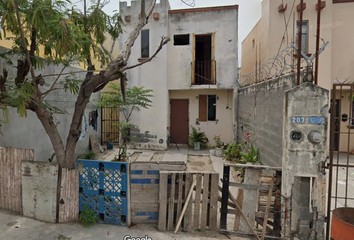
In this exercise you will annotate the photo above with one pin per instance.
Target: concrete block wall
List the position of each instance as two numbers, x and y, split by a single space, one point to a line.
303 180
300 215
260 113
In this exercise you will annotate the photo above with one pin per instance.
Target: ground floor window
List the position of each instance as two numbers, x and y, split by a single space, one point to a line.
207 108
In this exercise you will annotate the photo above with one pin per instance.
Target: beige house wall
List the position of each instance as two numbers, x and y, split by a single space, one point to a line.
224 113
255 45
271 35
335 62
343 39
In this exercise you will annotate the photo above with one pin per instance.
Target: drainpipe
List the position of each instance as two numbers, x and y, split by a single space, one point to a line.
299 43
318 39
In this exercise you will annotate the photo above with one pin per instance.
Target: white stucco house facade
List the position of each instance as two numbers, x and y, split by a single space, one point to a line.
193 78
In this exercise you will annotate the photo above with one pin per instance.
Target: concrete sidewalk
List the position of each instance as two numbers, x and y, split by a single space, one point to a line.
15 227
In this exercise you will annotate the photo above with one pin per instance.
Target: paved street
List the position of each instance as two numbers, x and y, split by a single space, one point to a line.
14 227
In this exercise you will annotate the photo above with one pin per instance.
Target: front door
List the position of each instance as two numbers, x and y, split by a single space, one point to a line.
179 121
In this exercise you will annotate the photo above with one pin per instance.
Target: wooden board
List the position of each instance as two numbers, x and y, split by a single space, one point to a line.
95 144
249 205
69 196
163 202
200 211
144 188
197 201
213 202
205 202
10 177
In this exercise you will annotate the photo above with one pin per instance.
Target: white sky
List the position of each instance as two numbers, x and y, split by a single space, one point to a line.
249 12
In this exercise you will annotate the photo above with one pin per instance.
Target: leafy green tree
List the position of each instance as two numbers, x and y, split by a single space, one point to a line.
53 32
136 98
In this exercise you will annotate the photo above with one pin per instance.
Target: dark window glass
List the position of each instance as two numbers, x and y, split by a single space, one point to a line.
145 42
211 107
179 40
304 36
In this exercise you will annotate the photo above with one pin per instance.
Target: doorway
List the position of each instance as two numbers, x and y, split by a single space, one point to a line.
203 60
179 121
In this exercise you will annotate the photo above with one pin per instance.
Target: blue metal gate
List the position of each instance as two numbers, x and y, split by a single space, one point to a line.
103 188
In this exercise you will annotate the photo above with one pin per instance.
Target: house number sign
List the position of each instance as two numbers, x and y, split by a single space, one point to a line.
309 120
298 120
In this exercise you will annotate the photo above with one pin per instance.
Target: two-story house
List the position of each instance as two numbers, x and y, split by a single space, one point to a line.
193 78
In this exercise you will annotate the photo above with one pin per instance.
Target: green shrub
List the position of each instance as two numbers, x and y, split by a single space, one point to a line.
87 216
89 156
232 151
252 156
196 136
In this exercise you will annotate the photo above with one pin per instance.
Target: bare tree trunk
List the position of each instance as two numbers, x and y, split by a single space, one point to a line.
53 134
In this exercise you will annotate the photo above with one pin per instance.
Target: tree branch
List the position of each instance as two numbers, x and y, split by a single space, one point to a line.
69 73
3 80
24 45
114 67
135 33
164 41
52 87
108 53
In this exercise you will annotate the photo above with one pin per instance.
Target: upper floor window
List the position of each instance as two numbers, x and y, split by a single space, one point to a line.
145 43
180 40
304 36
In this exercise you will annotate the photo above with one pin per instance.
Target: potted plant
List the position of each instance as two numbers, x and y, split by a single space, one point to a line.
212 151
219 151
197 140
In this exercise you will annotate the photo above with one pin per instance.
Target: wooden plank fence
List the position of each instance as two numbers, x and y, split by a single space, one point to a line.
10 177
257 208
200 212
144 188
69 196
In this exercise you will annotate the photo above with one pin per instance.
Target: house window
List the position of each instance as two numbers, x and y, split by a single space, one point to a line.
304 36
207 108
145 43
180 40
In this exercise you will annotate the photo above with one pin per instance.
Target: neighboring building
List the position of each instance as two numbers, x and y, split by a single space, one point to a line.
278 27
193 77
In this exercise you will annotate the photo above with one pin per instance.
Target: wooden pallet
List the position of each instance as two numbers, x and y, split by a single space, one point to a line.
144 188
201 210
267 206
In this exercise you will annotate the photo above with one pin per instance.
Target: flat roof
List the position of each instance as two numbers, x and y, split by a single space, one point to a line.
204 9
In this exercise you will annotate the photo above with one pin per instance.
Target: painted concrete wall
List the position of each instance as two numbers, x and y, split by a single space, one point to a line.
302 157
39 190
332 29
255 45
224 24
171 69
152 75
260 113
342 38
29 132
224 113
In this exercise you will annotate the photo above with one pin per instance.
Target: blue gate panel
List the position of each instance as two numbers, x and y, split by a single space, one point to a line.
103 187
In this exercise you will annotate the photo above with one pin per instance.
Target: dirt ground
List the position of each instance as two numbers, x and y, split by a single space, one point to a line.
199 163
